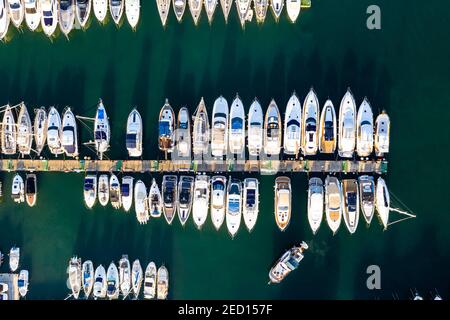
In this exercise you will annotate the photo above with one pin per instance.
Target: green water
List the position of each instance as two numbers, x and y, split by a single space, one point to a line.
403 68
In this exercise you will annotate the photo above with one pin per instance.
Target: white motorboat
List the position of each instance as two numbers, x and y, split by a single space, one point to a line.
126 189
260 7
328 129
125 276
310 129
66 16
150 281
277 7
115 192
9 133
74 271
137 276
236 139
87 281
200 204
83 12
234 206
31 189
103 189
200 131
54 132
243 6
333 203
134 134
169 196
293 8
100 284
24 131
255 129
347 126
383 202
112 282
14 259
382 134
367 197
102 131
133 11
155 200
140 202
22 282
69 134
16 12
283 205
163 283
100 8
163 9
364 130
226 7
315 203
32 14
250 202
4 19
351 204
179 6
210 8
90 190
116 10
292 126
288 262
272 130
195 6
185 196
219 134
218 200
40 129
49 16
183 134
166 128
18 189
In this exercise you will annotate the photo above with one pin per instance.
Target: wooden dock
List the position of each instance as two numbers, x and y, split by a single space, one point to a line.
208 166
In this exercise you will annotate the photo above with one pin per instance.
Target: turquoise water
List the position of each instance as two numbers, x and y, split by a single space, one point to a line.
403 68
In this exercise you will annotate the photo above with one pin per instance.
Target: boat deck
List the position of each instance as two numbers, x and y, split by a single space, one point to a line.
11 280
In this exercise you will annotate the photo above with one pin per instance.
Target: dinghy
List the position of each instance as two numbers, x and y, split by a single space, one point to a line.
183 134
234 206
150 281
293 8
74 271
195 6
87 271
100 9
364 130
32 14
115 194
236 139
31 189
112 282
54 132
272 130
218 200
66 16
163 9
132 11
16 12
292 126
136 278
219 132
185 196
140 202
134 134
347 126
200 131
169 196
69 134
102 133
333 203
103 189
100 284
83 11
125 276
200 205
250 202
49 16
310 119
255 129
328 129
9 133
40 129
116 9
155 200
24 131
179 6
90 190
126 189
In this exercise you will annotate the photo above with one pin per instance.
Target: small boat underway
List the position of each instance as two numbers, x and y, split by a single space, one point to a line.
100 9
134 134
103 189
166 128
140 202
16 12
22 283
243 6
210 7
14 259
382 132
195 6
4 19
282 202
137 276
75 276
115 194
218 200
66 16
383 202
367 197
116 9
102 133
219 134
32 14
236 138
200 131
87 271
260 7
169 194
69 134
163 9
185 195
31 189
155 200
293 8
328 129
54 132
277 8
200 205
100 284
163 283
126 189
150 281
234 206
24 131
315 203
351 204
333 203
288 262
18 189
90 190
310 119
250 202
272 128
40 129
125 276
255 129
83 11
132 11
183 134
347 126
9 133
49 16
179 6
292 126
112 281
364 130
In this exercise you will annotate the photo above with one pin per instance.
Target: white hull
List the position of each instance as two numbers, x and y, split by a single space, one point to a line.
112 280
115 193
200 205
195 7
18 189
166 128
83 12
54 132
103 190
163 9
140 202
185 195
333 203
183 134
382 134
292 126
32 14
66 16
242 7
293 8
75 276
134 134
219 134
100 282
24 131
328 129
49 16
260 7
383 202
272 130
179 6
255 129
351 205
16 12
69 134
102 132
14 259
347 126
163 283
9 133
155 200
23 283
4 19
90 190
234 206
236 131
124 276
127 192
87 271
201 130
250 203
315 204
283 199
133 11
277 7
210 8
169 196
310 127
364 138
100 8
367 197
116 10
137 276
150 281
218 200
40 129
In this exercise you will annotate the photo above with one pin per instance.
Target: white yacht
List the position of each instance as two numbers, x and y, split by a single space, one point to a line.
74 271
18 189
116 9
14 259
166 128
32 14
292 126
49 16
155 200
24 131
31 189
40 129
9 133
141 202
126 189
87 280
83 12
90 190
200 204
255 129
137 276
115 194
163 283
219 134
272 130
351 204
260 7
112 282
277 8
243 6
195 6
347 126
210 8
150 281
66 16
179 6
163 9
134 134
293 8
315 203
125 276
103 189
4 19
100 8
169 196
226 7
234 206
218 200
288 262
100 284
54 132
185 196
383 202
22 282
250 202
183 134
310 129
16 12
328 129
382 133
364 130
102 133
367 197
236 139
133 11
200 131
69 134
283 196
333 203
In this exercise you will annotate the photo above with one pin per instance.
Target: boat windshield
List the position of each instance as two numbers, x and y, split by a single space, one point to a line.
293 122
30 186
185 193
168 194
89 184
164 128
183 125
101 114
292 263
351 200
218 185
125 188
329 131
131 140
21 283
100 135
311 124
236 123
233 206
251 197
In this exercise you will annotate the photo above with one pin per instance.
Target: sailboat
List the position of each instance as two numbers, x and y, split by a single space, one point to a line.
333 203
83 11
292 126
255 129
126 189
155 200
293 8
351 204
100 9
218 200
32 14
272 128
347 126
103 189
69 134
137 276
210 8
140 202
277 7
234 206
219 134
18 189
132 12
236 139
124 276
24 131
163 283
66 16
260 7
195 6
185 196
116 9
102 133
283 202
310 119
40 129
367 197
226 7
4 19
49 16
9 133
183 134
166 128
315 203
134 134
54 132
16 12
150 281
169 195
200 205
382 133
163 9
100 284
243 6
112 281
179 6
200 131
328 129
383 202
364 130
90 190
115 194
87 281
74 271
250 202
31 189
